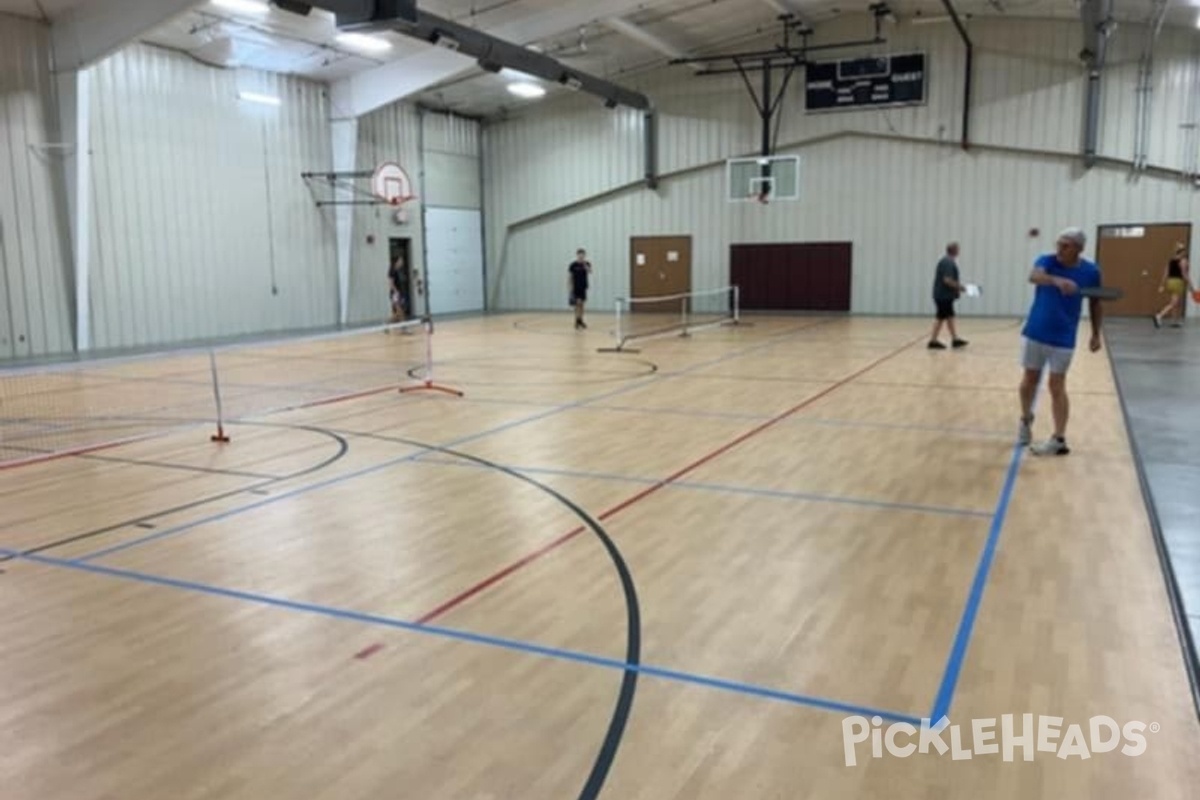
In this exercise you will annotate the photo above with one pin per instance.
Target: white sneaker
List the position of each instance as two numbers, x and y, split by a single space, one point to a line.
1025 432
1051 447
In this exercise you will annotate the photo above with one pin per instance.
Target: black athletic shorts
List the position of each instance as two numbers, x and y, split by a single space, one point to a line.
945 308
578 295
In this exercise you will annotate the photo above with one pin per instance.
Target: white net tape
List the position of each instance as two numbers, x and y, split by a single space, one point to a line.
644 318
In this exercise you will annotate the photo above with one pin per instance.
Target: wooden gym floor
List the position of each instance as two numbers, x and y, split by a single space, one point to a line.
671 574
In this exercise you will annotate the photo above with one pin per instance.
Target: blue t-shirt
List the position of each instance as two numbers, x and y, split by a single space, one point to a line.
1054 318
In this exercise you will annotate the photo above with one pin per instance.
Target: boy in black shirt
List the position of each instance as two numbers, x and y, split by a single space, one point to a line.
577 280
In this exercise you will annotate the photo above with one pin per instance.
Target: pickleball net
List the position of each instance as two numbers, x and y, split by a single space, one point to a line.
641 319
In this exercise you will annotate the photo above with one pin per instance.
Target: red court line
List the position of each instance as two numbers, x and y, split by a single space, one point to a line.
365 653
77 451
649 490
93 448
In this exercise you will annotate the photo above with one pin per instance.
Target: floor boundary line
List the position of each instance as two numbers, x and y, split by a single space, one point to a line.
735 687
750 491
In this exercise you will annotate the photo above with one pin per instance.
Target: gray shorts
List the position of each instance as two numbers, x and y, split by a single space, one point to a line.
1035 356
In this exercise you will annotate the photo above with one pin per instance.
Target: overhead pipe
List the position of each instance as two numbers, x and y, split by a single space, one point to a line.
650 156
967 77
1145 90
1097 25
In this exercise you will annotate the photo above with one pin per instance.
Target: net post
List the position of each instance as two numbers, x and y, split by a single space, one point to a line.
737 320
220 436
683 317
428 384
619 347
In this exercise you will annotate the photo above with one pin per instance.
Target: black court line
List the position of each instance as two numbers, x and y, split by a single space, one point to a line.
137 462
343 448
523 326
633 644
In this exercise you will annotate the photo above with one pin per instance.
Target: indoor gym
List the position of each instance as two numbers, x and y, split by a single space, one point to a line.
257 540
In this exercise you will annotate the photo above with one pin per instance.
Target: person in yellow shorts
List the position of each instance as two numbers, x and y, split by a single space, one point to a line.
1176 281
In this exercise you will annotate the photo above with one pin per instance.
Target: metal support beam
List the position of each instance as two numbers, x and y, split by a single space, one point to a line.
91 31
463 49
344 139
968 74
642 36
74 98
494 54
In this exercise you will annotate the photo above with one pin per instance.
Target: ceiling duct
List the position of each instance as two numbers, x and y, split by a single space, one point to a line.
356 12
403 17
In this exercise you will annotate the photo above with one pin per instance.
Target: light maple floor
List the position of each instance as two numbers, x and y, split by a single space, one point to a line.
670 574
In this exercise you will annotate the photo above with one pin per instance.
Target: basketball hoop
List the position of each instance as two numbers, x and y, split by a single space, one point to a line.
390 184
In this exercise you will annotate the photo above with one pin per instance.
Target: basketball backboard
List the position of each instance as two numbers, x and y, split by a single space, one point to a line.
763 178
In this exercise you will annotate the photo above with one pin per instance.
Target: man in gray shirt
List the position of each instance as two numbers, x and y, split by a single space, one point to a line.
946 289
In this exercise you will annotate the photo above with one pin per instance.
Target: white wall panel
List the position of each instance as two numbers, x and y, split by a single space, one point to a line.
202 225
450 133
454 252
895 182
35 278
452 181
453 175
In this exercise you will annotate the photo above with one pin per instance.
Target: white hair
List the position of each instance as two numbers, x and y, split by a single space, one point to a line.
1075 235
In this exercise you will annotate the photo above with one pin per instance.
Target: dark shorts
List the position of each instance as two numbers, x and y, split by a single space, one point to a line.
945 308
578 295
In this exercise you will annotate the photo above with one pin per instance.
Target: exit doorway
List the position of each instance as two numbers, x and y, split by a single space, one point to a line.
1133 258
400 252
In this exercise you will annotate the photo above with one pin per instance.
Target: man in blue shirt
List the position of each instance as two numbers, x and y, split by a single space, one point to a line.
1050 331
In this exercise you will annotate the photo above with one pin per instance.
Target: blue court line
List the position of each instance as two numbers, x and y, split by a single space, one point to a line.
639 384
958 650
431 458
476 638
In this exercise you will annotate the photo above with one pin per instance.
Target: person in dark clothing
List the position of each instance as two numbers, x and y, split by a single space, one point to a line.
946 290
577 282
1176 280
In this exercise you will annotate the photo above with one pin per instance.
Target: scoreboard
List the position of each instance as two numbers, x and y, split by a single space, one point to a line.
856 83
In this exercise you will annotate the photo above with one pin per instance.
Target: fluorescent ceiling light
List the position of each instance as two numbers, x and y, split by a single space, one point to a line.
364 42
243 6
515 75
255 97
526 90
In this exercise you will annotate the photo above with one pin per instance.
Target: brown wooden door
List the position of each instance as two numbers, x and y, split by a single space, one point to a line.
659 265
1132 258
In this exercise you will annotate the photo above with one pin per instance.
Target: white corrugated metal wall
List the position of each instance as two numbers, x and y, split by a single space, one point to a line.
35 271
894 182
202 225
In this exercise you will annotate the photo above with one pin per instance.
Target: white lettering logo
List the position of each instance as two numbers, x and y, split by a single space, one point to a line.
1005 737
